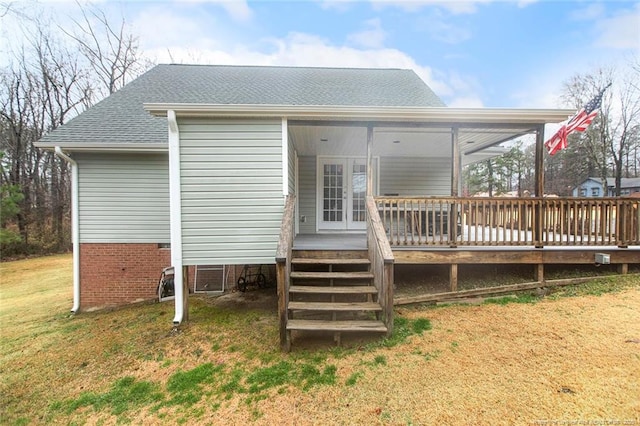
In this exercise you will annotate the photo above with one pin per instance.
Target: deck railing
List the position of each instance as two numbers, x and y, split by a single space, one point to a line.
381 258
283 267
459 221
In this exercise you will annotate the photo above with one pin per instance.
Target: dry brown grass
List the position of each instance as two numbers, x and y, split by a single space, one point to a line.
570 359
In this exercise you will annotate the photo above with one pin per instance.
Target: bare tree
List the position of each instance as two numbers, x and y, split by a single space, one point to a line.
50 80
38 93
112 51
609 139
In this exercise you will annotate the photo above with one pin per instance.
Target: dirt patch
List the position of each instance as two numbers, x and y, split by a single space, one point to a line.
259 299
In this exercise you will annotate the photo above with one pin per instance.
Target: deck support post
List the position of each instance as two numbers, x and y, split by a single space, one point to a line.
456 162
623 268
539 188
283 269
282 277
453 276
369 160
539 273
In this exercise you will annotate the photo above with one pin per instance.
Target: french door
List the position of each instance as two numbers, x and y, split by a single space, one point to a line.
342 186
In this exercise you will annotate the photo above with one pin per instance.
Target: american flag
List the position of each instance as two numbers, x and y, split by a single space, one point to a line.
577 123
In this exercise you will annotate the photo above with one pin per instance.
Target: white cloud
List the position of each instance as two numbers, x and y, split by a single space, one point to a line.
445 32
588 13
541 91
338 5
466 102
456 7
372 36
161 26
620 31
239 10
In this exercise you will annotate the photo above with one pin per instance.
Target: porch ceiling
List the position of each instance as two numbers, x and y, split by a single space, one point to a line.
476 143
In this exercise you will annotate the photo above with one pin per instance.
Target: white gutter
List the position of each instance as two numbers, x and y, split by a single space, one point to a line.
106 147
338 112
175 215
75 227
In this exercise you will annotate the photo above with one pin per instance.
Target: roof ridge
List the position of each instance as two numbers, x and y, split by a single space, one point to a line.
286 66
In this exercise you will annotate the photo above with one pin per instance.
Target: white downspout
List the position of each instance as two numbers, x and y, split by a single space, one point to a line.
75 227
175 215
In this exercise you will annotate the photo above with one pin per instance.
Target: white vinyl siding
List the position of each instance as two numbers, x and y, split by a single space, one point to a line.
408 176
307 194
231 184
123 198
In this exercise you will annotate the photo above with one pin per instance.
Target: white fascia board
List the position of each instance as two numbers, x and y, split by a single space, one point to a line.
420 114
106 147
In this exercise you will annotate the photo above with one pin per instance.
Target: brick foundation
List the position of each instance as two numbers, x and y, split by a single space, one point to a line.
114 274
118 274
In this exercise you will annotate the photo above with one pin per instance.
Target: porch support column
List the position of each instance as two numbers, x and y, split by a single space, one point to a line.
175 218
455 185
369 160
456 162
539 189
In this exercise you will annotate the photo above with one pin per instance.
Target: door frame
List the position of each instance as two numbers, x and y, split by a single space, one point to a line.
320 187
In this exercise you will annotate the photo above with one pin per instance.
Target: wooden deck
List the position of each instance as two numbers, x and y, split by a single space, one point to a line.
422 231
330 241
423 254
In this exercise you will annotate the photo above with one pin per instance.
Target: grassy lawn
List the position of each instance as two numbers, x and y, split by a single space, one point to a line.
571 356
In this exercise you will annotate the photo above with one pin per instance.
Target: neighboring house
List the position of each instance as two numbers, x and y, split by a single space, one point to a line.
592 187
200 159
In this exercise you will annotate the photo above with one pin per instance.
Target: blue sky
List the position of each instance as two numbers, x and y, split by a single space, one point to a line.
473 54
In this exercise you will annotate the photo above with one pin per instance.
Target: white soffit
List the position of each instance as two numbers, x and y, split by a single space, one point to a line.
394 142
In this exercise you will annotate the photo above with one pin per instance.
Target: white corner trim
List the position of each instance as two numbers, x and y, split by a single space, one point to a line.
75 226
285 157
175 215
296 192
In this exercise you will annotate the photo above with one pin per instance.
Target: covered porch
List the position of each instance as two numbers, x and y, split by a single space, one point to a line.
378 206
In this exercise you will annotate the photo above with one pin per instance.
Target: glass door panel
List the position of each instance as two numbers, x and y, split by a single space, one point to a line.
333 204
357 193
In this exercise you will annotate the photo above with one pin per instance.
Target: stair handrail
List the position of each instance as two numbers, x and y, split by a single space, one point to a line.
382 260
283 266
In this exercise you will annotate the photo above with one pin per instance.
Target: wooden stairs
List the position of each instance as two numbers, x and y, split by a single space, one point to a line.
332 291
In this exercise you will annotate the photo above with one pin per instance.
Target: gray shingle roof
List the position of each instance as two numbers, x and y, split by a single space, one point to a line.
624 182
120 118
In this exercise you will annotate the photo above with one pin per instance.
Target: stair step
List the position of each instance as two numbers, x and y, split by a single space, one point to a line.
322 325
329 261
335 275
335 306
356 289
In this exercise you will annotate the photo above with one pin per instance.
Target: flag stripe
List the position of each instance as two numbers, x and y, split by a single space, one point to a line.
578 123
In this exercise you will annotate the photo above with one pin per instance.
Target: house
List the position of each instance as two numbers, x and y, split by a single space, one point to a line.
592 187
332 174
